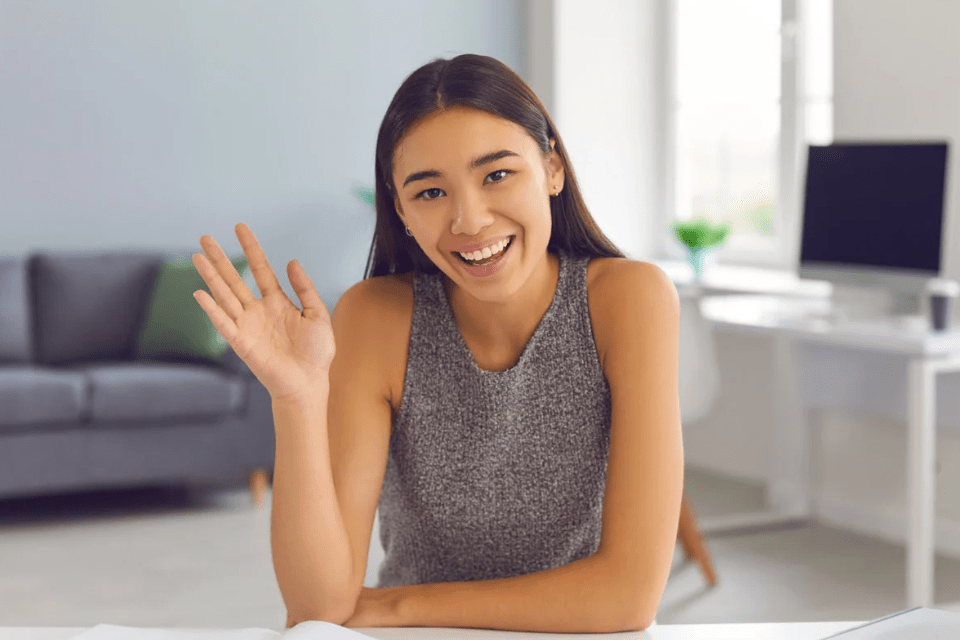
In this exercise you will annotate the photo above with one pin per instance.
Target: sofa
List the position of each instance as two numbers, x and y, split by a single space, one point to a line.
97 393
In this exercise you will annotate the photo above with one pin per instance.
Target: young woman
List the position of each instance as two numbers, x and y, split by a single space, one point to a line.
503 385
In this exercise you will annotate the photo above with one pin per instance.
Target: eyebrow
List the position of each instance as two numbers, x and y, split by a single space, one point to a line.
476 163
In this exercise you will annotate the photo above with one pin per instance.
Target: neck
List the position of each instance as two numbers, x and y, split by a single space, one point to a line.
508 323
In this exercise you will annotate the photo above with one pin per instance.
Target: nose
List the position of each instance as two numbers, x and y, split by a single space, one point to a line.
470 214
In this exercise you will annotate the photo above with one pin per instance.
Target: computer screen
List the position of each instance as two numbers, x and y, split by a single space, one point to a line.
875 206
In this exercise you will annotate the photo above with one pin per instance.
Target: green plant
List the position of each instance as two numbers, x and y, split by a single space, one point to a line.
701 233
366 194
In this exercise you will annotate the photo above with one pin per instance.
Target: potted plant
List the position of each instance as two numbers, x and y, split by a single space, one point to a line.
700 236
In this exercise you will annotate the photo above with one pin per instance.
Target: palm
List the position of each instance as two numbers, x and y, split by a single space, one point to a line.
274 336
286 348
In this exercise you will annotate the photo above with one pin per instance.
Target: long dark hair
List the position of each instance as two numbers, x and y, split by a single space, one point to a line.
486 84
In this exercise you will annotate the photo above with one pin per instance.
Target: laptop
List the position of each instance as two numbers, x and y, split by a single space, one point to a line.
918 623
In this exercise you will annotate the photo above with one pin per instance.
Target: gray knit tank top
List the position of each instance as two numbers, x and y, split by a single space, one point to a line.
494 474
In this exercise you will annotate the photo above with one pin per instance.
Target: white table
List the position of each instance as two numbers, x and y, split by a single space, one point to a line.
792 319
723 279
754 631
780 306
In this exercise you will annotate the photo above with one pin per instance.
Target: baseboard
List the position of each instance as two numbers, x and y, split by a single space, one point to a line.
889 525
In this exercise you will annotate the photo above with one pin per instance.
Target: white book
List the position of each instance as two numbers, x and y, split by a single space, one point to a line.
918 623
310 630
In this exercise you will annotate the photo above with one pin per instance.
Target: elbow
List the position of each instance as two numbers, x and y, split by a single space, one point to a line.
631 618
338 613
637 608
334 610
334 617
635 619
640 623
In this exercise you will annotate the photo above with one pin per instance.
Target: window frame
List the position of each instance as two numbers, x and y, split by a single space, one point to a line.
782 250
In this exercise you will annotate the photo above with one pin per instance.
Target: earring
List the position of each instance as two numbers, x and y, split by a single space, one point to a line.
408 231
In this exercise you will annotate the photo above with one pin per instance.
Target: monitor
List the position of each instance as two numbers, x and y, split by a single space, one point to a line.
873 217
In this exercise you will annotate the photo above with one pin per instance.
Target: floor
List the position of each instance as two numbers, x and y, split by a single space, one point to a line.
200 557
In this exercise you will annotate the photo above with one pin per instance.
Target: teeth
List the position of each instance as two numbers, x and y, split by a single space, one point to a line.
487 251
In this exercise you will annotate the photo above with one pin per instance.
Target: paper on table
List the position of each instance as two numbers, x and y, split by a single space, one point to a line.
313 630
310 630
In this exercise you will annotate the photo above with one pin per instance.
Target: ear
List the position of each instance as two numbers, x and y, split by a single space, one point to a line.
554 167
396 205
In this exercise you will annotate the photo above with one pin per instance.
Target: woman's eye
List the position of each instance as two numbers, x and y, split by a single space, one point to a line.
499 175
429 194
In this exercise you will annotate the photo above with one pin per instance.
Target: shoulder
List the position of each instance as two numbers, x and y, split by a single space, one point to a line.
626 296
607 276
374 318
376 299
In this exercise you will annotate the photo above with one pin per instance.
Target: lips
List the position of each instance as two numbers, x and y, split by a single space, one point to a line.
478 257
479 246
486 270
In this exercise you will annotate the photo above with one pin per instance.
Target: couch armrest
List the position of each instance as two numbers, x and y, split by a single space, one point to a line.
235 364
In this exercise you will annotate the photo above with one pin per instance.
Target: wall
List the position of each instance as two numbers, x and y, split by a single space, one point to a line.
596 66
150 123
895 67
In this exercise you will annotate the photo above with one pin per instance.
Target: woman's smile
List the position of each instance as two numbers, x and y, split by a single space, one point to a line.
487 266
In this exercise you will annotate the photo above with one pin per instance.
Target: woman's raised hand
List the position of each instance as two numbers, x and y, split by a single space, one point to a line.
289 350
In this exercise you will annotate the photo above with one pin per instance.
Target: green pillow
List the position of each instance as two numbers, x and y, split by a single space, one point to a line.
175 326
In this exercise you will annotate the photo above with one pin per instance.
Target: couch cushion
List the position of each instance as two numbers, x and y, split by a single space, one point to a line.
89 305
176 327
39 395
151 392
15 316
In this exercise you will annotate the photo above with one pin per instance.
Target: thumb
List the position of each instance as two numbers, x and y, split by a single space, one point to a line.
310 301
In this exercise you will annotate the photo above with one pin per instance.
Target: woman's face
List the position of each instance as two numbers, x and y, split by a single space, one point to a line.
465 178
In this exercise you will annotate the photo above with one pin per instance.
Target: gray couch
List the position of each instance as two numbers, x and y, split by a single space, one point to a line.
78 412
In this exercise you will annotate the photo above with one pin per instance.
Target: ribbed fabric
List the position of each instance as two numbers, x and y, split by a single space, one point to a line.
496 474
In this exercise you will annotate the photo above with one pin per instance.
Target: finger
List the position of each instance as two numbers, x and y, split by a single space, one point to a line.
222 294
226 272
307 293
265 277
221 321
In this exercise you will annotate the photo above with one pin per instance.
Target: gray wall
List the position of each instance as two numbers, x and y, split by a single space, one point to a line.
150 123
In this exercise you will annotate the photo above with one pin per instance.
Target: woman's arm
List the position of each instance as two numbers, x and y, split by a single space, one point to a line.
586 596
635 313
637 322
330 461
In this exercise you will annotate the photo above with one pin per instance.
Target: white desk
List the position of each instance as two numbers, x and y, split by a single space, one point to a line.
755 631
728 279
789 320
780 307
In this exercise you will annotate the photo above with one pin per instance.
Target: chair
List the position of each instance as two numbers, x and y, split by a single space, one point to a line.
699 387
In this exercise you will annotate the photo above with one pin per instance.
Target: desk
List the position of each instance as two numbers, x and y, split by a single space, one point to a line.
755 631
731 279
792 319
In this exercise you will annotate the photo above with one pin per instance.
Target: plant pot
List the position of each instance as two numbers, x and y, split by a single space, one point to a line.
696 256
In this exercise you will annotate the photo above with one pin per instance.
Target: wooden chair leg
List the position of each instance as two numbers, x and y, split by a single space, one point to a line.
692 543
259 485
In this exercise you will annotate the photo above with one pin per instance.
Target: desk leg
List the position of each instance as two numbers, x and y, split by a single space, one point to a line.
789 455
790 450
921 496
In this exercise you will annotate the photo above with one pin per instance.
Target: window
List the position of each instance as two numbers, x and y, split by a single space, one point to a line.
744 105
